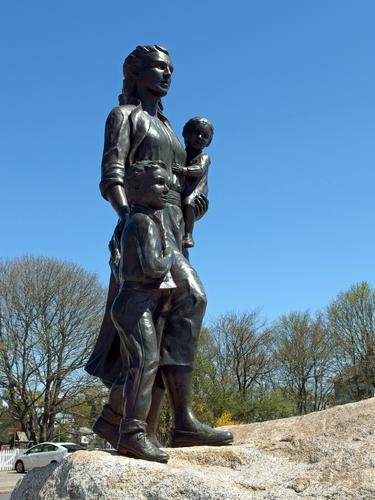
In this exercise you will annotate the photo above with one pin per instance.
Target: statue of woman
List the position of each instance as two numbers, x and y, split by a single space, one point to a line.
136 131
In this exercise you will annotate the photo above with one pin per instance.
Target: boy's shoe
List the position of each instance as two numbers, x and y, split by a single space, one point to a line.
134 442
154 440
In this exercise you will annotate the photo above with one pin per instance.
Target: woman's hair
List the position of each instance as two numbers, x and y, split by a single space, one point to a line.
132 64
191 124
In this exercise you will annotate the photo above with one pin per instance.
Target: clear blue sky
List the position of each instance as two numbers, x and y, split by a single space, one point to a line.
290 88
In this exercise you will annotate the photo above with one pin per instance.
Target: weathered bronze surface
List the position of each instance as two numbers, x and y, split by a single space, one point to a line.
156 301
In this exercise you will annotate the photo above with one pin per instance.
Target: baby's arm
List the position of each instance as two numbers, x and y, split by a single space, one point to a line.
153 263
197 169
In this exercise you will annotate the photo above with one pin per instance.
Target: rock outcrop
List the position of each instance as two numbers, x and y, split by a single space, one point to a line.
328 454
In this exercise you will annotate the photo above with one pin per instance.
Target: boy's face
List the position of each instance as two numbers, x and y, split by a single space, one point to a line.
153 189
200 136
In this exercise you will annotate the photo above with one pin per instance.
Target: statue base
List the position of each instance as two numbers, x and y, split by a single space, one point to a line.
327 454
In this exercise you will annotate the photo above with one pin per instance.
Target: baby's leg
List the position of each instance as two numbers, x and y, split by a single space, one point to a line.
189 216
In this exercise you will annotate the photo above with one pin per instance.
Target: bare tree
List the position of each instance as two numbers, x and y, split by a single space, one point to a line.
243 349
50 312
304 357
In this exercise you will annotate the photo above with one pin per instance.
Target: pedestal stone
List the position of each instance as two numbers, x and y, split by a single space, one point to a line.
328 454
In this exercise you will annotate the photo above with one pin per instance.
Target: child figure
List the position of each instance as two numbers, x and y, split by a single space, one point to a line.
197 133
145 285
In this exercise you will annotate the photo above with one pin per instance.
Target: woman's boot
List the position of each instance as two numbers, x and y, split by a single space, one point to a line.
187 430
158 391
108 423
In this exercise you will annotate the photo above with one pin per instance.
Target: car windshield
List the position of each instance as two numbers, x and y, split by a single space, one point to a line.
72 447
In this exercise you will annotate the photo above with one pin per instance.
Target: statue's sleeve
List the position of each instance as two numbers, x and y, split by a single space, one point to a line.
153 264
116 149
198 168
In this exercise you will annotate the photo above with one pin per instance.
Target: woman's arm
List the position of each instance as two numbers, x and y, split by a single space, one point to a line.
117 198
116 150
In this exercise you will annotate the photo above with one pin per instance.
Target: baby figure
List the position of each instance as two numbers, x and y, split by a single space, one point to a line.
197 133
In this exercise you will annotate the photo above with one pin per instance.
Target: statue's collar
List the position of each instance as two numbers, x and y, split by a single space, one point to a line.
136 209
135 101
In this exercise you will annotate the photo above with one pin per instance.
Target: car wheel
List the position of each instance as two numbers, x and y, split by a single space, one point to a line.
54 462
20 467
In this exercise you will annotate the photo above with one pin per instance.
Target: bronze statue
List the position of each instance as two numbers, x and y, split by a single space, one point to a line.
137 134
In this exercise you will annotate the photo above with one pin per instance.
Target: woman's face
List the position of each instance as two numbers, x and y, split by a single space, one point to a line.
155 74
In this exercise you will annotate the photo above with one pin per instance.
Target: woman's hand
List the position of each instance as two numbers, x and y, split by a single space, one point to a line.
177 169
201 205
115 245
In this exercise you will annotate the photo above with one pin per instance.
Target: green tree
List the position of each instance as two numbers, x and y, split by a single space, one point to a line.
352 325
7 423
209 395
304 357
243 350
233 369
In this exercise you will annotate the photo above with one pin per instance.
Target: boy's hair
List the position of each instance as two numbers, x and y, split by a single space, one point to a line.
135 172
189 127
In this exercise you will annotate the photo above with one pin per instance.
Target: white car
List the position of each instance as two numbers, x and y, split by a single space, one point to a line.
43 454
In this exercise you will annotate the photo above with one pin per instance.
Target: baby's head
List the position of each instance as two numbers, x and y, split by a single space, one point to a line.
146 183
198 132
